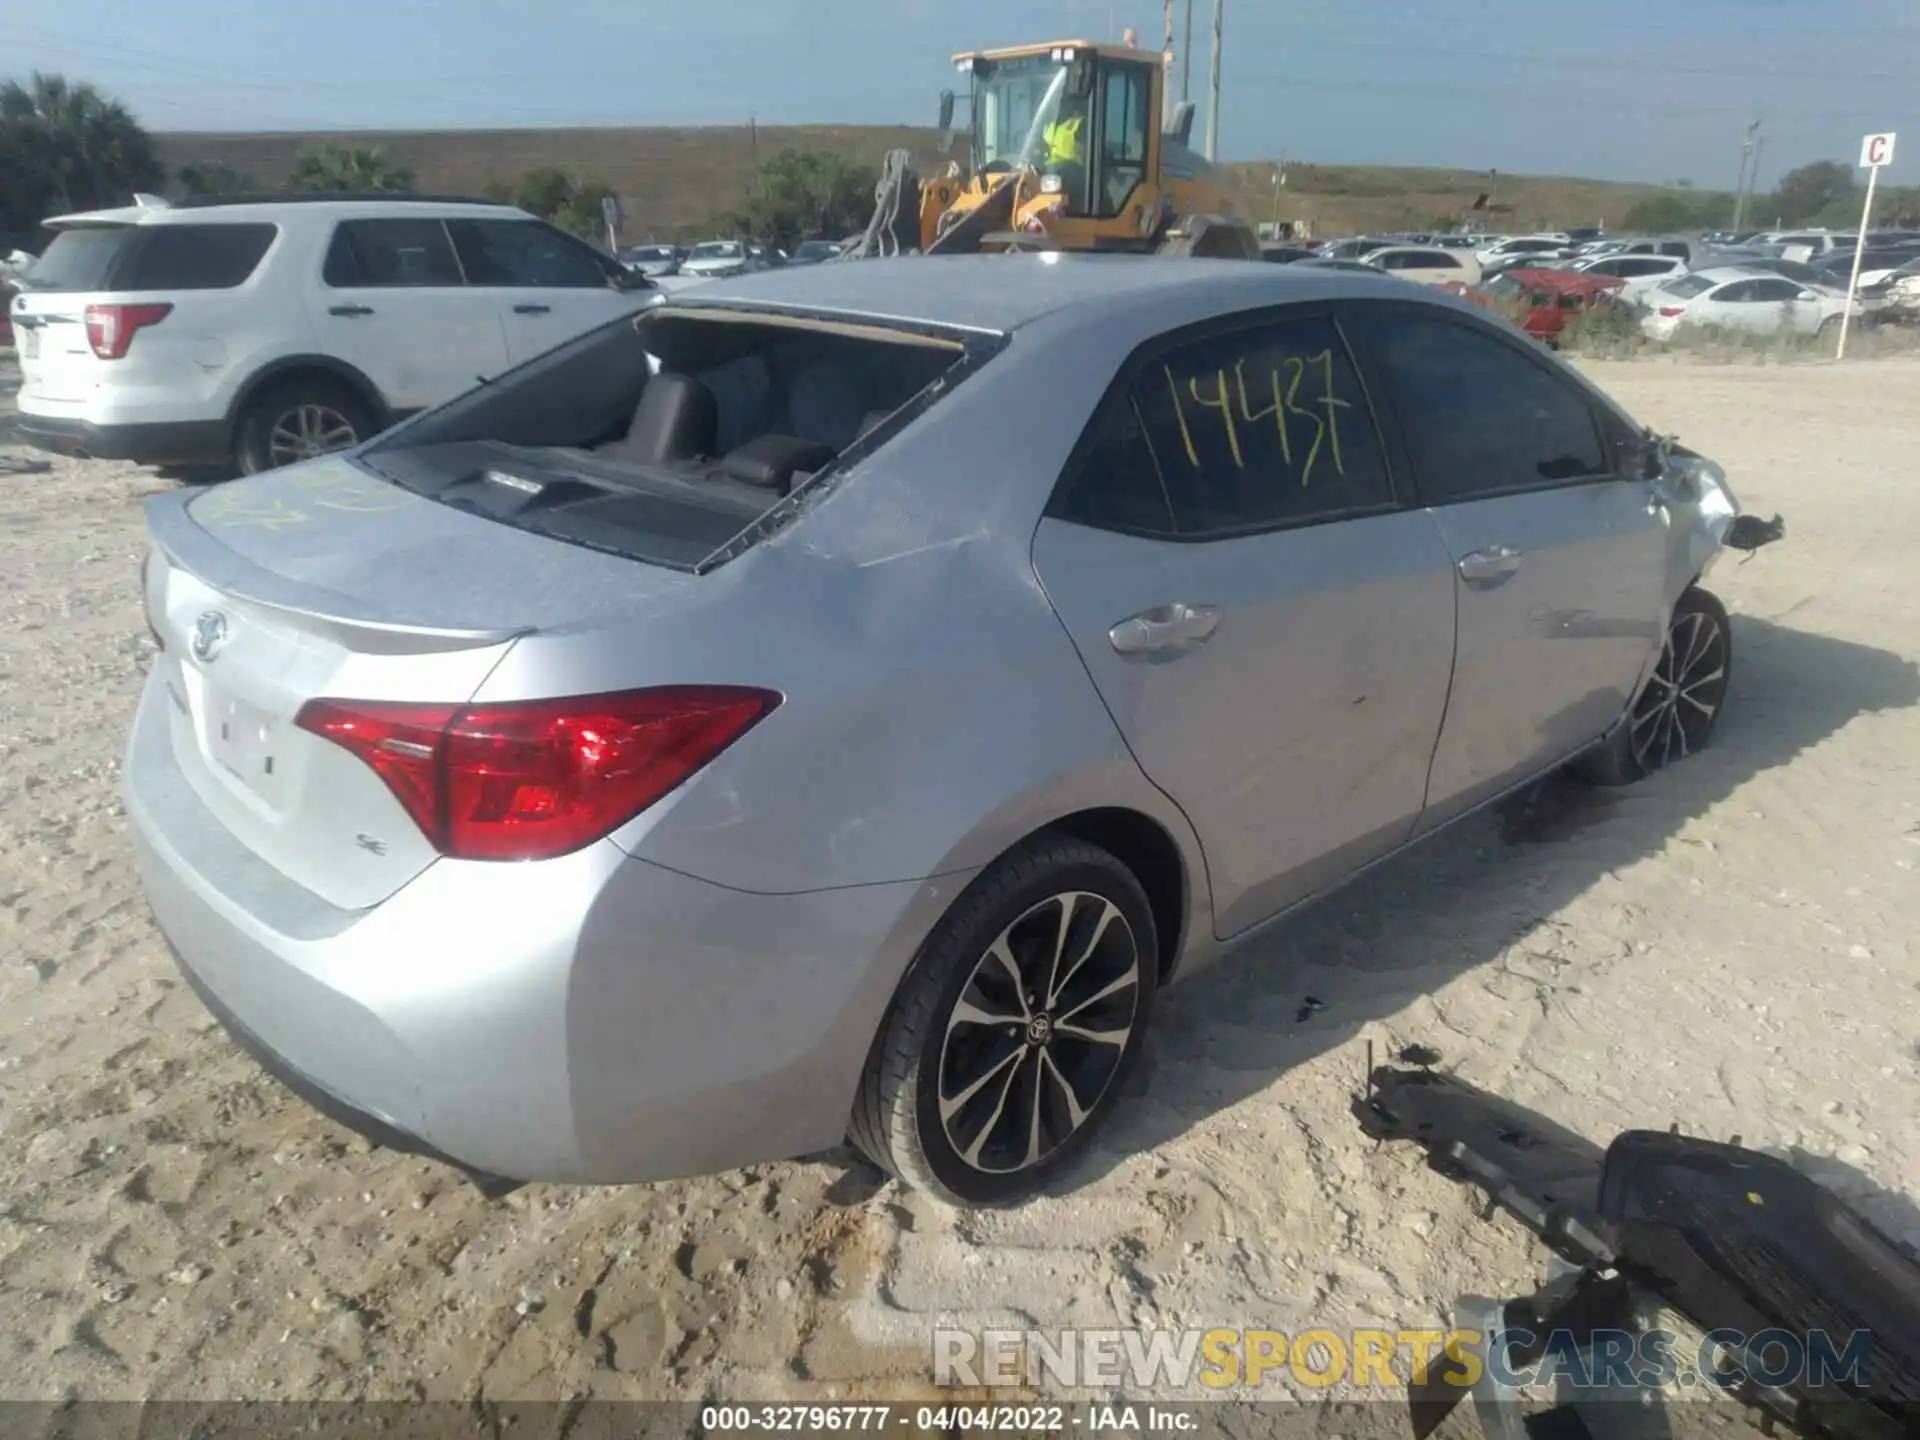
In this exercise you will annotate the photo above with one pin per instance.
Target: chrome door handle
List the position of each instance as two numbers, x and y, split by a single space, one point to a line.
1489 566
350 311
532 309
1164 629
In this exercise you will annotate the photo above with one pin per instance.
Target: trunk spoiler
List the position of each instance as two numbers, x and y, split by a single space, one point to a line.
189 547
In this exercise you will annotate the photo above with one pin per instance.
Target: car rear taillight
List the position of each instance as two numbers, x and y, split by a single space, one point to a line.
1672 310
542 778
111 328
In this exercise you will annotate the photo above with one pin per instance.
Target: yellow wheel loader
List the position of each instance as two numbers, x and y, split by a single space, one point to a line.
1073 147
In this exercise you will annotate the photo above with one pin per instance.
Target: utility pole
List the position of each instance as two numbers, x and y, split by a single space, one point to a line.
1213 89
1186 59
1747 147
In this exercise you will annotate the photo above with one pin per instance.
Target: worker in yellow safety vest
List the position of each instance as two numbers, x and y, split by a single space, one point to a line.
1066 158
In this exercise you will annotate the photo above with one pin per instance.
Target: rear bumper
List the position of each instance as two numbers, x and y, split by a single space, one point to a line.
183 442
592 1019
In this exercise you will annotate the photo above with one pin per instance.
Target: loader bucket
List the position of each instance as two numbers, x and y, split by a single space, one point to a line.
1211 237
989 216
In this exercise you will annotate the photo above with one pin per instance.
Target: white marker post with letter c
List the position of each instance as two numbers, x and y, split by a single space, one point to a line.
1876 153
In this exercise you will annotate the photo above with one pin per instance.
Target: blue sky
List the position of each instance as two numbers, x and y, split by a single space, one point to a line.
1629 89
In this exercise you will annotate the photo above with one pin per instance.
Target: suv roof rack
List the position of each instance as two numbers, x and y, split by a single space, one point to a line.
302 197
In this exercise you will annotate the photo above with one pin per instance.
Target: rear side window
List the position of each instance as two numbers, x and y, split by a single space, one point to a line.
391 253
1479 416
195 257
1253 429
1687 286
78 259
525 254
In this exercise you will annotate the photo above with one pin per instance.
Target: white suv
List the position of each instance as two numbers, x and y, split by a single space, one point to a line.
251 334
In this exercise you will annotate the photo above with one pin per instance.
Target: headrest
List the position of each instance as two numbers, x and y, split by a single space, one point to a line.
676 419
772 461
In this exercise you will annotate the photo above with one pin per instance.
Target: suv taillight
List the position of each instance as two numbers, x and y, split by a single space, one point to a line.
542 778
111 328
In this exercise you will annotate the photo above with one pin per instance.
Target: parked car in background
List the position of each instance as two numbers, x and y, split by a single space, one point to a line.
574 874
1354 247
1808 245
1684 250
1544 302
716 259
1324 262
1425 264
817 252
1798 271
250 335
1637 273
1743 301
1585 234
1875 264
1520 247
654 261
1557 258
1898 293
1279 252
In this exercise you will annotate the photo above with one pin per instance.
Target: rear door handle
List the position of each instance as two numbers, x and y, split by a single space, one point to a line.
350 311
1490 566
532 309
1165 630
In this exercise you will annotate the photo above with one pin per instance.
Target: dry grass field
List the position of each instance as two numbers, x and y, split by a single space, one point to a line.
671 181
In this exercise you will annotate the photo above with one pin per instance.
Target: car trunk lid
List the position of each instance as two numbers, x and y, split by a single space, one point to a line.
325 582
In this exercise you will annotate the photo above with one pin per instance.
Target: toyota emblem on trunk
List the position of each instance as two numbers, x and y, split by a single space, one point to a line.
209 634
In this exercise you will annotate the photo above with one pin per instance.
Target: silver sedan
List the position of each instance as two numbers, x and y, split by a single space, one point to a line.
836 701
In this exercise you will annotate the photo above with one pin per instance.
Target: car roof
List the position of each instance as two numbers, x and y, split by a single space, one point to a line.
1721 274
1565 281
235 208
1001 293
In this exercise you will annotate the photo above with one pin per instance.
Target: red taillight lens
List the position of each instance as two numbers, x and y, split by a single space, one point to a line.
111 328
534 780
1669 311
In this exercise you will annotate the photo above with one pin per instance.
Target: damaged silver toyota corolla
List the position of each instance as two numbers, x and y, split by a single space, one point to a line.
836 701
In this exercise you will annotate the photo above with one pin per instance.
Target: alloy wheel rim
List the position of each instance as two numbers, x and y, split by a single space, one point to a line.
1676 711
1037 1033
307 432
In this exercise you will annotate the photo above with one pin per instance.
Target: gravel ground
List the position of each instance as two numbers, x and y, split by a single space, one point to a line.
1730 946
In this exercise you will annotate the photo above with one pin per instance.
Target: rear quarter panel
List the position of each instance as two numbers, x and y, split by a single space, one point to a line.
935 710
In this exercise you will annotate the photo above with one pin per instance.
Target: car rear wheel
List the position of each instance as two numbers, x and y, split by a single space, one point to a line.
1013 1034
299 421
1676 713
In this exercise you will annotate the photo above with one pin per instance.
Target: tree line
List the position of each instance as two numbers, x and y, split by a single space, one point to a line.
66 146
1823 193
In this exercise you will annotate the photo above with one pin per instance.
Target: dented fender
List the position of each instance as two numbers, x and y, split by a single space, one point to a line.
1701 509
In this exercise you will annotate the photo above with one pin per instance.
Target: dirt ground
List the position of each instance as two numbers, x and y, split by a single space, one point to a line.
1730 946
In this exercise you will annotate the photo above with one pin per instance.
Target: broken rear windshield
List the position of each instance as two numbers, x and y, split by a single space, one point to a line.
675 436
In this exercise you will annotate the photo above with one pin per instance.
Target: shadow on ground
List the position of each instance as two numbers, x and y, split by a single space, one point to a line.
1311 983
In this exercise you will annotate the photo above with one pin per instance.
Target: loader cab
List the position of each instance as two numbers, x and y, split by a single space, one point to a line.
1084 118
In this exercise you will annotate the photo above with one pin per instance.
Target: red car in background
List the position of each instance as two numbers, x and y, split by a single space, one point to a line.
1543 302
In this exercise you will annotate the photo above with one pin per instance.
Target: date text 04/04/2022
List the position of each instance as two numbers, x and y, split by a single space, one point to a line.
945 1419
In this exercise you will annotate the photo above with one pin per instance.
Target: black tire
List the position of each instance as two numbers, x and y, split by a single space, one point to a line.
322 411
897 1117
1674 715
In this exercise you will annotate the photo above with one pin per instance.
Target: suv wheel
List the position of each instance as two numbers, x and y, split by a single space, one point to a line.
299 421
1014 1033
